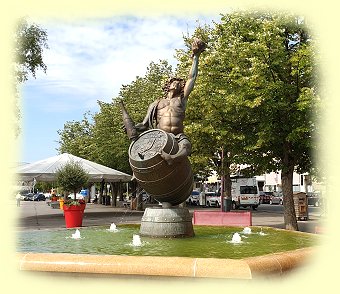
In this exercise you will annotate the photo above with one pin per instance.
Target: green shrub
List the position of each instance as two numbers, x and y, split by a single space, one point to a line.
72 177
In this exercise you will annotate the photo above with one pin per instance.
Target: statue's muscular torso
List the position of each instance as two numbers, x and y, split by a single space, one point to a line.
170 115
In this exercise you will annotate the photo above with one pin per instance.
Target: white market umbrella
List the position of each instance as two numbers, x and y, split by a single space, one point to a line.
45 170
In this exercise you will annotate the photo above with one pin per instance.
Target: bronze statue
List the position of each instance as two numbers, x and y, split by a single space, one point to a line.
169 111
159 156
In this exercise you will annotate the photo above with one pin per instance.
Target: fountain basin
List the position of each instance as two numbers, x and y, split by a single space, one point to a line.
249 268
210 254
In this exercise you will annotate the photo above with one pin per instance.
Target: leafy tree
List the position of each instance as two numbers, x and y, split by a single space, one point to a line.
110 141
72 177
256 97
76 137
141 92
44 186
29 42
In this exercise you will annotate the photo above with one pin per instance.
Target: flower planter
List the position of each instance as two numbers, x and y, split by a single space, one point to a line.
74 215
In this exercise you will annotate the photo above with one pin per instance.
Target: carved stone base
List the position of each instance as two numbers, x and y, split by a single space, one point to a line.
167 222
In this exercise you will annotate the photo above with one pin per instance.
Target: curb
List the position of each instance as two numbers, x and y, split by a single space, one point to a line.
278 263
249 268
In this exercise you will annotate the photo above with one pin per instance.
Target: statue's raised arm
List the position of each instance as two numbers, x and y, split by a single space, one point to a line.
197 47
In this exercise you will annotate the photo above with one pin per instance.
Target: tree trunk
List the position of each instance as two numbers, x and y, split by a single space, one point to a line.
226 178
101 190
227 181
288 201
89 192
120 191
105 200
114 191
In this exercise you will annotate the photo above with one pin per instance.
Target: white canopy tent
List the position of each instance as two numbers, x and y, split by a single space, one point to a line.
45 170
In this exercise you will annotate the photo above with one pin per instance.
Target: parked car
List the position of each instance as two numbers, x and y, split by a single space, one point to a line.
265 197
212 199
314 199
28 197
277 198
39 197
23 195
194 198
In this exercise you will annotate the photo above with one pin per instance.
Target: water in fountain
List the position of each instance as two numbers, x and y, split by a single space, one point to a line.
209 242
76 235
136 241
262 233
113 228
246 230
236 238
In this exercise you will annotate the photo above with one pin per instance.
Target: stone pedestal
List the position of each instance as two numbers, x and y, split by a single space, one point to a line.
167 222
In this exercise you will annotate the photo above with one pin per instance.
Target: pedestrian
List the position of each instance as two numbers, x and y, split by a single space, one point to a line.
18 198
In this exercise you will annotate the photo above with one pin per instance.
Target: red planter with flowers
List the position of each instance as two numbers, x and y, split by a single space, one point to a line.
74 214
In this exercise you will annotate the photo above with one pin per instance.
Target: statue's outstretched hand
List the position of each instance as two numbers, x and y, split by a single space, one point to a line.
198 46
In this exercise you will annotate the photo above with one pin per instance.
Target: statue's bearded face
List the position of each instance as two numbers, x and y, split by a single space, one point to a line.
175 86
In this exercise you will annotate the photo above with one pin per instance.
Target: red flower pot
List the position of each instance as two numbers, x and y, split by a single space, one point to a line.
74 215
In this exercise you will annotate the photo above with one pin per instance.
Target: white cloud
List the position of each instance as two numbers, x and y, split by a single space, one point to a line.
91 60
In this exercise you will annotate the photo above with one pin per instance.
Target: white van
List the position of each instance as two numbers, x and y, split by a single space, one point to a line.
245 193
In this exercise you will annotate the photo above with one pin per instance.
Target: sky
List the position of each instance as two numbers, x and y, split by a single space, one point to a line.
87 61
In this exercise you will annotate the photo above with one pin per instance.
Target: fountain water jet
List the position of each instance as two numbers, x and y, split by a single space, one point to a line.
246 230
76 235
236 238
113 228
262 233
136 241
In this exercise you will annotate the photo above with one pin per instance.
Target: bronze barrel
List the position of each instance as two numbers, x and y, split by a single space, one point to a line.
166 183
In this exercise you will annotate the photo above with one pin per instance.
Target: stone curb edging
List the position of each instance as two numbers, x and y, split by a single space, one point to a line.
247 268
278 263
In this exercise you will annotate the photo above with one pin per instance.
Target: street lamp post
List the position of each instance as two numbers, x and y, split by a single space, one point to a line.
222 179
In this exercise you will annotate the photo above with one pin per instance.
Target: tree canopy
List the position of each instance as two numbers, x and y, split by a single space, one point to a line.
72 177
256 88
29 43
256 97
